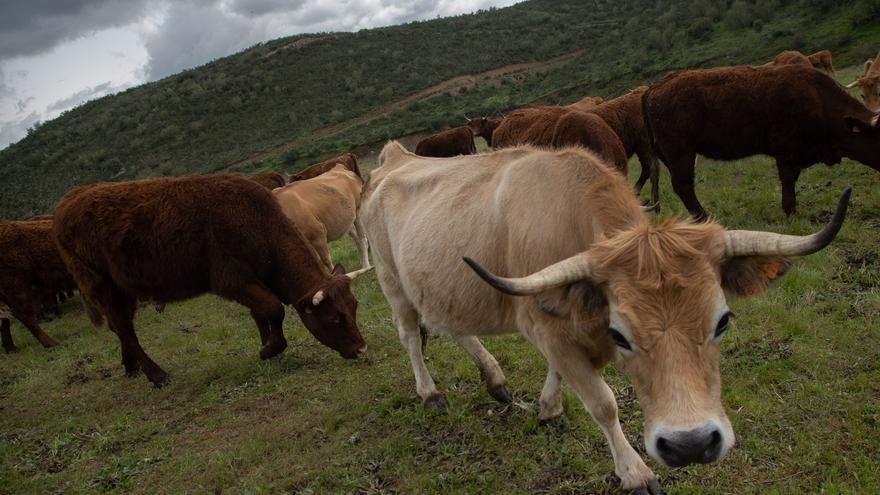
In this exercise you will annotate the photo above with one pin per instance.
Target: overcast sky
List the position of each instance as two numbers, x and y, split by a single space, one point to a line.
57 54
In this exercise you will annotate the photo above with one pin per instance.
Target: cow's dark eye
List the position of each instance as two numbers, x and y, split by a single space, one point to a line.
723 323
619 339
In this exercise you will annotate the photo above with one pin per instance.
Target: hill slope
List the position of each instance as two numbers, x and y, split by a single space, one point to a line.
304 97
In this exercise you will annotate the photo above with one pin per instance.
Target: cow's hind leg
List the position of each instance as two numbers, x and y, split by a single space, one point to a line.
551 396
572 363
6 335
30 322
681 169
407 321
496 383
119 309
360 240
788 176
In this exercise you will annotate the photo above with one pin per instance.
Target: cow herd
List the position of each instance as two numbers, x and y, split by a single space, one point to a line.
544 236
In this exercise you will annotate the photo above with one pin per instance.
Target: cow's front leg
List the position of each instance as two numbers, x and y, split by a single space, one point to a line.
573 364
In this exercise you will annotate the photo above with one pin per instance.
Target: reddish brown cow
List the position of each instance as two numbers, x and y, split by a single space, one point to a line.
448 143
173 238
624 115
820 61
559 127
349 160
586 103
484 127
797 115
31 274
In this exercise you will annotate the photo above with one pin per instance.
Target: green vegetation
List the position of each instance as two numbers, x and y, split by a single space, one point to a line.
800 374
291 101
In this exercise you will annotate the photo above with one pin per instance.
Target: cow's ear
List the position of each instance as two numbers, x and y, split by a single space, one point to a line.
583 301
751 275
859 126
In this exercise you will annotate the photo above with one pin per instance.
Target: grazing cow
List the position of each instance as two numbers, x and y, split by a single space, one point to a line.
595 281
173 238
869 83
797 115
324 208
484 127
31 275
586 103
624 115
559 127
349 160
270 180
451 142
820 61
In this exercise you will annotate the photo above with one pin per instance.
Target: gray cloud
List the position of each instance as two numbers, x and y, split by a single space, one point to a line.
12 131
83 96
22 104
35 26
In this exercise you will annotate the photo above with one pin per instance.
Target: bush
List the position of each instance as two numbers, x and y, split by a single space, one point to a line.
739 16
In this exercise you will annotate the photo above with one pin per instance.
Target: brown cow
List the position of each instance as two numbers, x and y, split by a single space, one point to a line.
820 61
324 208
559 127
31 274
586 103
270 180
624 115
448 143
484 127
869 83
797 115
174 238
349 160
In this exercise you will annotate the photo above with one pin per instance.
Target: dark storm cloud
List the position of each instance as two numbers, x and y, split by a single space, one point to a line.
35 26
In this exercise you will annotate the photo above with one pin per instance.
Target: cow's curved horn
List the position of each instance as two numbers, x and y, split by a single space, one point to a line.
355 274
750 243
317 298
852 84
558 274
652 207
466 117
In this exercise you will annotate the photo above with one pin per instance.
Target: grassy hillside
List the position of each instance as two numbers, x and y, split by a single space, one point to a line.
800 376
291 101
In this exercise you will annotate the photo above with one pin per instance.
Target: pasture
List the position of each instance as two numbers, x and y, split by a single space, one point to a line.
800 370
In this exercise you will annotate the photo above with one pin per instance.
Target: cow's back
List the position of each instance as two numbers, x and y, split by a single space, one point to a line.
515 210
732 112
332 198
161 237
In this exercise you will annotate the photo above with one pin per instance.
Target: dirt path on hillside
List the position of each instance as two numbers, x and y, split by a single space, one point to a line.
466 80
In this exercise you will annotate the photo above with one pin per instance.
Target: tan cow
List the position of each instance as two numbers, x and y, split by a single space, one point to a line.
586 103
869 83
324 208
596 280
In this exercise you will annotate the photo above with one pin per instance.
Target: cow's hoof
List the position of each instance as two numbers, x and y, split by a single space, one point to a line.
270 351
48 343
652 488
435 402
161 380
501 394
559 421
10 348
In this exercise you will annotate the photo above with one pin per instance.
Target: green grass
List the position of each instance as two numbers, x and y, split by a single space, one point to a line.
800 371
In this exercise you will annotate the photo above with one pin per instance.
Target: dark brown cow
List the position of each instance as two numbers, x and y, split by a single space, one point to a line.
448 143
173 238
797 115
559 127
820 61
484 127
624 115
269 180
31 274
349 160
